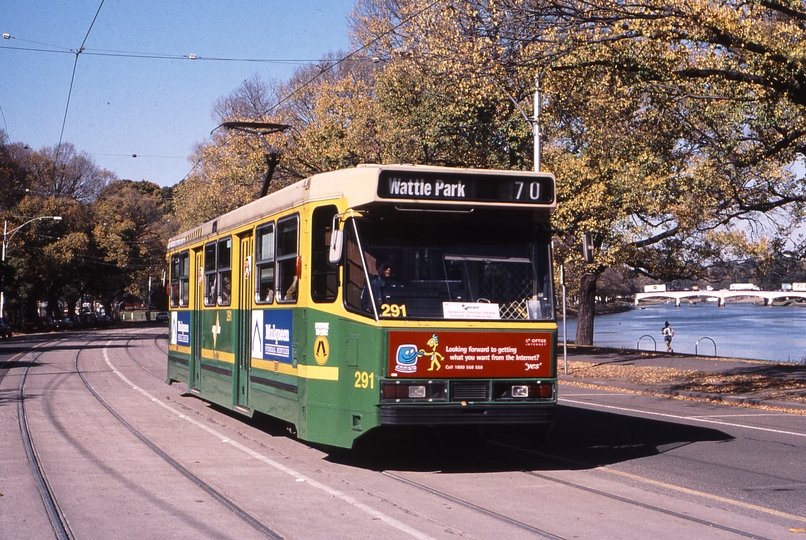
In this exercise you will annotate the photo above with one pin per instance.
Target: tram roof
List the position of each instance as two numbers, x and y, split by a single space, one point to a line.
359 185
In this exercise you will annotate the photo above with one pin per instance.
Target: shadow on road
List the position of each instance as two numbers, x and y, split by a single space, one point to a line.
580 439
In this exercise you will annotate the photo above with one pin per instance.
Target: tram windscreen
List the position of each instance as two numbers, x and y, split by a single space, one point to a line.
483 266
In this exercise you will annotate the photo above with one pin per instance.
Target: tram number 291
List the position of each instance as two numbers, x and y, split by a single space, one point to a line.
393 310
364 380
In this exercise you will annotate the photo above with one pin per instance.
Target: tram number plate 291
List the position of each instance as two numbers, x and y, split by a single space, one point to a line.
364 380
393 310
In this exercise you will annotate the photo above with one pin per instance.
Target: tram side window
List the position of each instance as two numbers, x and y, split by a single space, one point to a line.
264 261
210 274
324 276
354 280
287 252
225 271
180 277
184 279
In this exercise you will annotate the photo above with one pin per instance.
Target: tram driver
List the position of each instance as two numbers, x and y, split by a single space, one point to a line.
384 279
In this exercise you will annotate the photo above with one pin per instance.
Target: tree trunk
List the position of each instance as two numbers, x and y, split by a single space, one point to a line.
587 307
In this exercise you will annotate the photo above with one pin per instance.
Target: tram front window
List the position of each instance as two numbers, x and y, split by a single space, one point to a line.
491 269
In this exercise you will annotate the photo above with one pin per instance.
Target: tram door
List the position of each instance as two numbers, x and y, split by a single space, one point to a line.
244 353
194 378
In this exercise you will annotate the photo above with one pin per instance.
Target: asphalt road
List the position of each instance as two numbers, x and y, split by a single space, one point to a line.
123 455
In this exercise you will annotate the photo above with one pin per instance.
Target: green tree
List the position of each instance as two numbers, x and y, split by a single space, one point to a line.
229 167
131 228
13 176
666 122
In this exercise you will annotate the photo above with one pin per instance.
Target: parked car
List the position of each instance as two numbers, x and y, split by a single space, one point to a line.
37 324
65 323
5 329
162 316
86 320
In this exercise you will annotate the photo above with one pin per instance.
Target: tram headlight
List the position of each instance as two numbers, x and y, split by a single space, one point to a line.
520 391
402 391
417 391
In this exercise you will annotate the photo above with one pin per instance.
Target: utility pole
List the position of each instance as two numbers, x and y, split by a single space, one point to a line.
6 237
536 124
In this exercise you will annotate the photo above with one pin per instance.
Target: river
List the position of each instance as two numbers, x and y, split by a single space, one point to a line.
738 330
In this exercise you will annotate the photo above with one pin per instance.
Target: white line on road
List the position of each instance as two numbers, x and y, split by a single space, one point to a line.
680 417
399 525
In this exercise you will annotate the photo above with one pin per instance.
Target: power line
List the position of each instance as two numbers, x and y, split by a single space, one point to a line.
161 56
352 54
73 78
5 125
193 57
137 156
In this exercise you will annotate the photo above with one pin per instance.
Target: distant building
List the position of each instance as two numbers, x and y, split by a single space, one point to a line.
657 288
745 287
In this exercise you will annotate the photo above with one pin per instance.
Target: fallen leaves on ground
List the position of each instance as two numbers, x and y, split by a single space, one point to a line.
757 386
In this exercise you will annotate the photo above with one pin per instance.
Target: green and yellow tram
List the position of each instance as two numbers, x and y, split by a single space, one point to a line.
383 295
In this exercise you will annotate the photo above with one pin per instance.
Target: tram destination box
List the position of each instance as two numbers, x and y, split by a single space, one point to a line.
446 186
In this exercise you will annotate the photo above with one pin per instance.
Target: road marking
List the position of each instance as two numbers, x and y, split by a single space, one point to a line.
737 415
679 417
399 525
597 394
609 469
702 494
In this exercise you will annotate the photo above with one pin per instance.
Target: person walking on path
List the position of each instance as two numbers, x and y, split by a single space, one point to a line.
668 333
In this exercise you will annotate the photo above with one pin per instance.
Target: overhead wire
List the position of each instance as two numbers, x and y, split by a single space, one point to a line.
159 56
5 125
73 78
334 64
354 53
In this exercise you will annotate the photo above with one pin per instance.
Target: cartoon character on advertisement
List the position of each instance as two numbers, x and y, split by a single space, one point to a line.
408 354
435 356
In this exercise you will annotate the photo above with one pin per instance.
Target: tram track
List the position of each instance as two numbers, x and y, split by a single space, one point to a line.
57 517
474 507
543 533
619 498
497 453
529 528
139 364
218 495
58 520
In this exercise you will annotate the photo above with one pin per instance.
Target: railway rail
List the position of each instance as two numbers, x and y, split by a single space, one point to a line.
400 491
56 515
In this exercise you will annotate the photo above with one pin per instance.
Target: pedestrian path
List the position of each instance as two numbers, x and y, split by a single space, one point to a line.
729 380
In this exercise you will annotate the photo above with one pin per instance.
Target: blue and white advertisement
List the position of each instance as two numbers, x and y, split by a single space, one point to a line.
180 328
271 334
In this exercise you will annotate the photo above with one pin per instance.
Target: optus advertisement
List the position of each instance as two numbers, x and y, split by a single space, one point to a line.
469 354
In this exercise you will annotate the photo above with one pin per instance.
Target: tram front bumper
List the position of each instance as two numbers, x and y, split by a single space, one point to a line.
468 414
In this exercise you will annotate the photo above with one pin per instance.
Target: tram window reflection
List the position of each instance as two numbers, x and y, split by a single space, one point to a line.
287 262
225 271
210 274
264 261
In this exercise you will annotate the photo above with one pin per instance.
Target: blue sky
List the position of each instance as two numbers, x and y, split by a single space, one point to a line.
152 107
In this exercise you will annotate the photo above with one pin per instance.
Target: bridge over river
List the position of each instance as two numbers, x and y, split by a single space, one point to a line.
768 296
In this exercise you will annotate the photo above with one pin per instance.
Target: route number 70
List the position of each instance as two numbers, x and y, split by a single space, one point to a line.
534 190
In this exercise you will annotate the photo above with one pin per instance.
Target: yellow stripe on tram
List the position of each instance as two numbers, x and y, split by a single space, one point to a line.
321 373
221 356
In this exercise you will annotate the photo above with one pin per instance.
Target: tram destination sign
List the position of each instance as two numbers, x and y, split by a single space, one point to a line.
466 187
